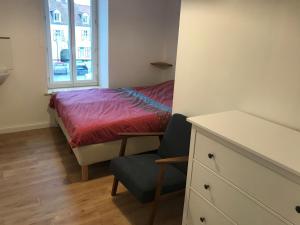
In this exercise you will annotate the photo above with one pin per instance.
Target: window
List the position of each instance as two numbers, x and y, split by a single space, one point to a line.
85 19
59 35
81 52
85 35
56 16
72 45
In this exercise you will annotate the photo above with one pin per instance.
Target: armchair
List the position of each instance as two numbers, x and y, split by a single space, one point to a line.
148 176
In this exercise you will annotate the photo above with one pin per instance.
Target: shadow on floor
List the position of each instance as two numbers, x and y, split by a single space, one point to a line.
69 161
169 212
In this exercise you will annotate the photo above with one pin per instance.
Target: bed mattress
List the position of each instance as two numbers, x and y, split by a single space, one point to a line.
97 115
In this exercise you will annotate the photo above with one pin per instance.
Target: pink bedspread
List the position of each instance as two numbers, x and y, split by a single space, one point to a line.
98 115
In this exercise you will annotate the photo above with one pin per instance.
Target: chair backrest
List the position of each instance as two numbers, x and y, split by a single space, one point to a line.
176 141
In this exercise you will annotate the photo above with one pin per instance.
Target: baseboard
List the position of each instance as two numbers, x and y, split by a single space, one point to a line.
25 127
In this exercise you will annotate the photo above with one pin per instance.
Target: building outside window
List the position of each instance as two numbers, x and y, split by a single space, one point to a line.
71 27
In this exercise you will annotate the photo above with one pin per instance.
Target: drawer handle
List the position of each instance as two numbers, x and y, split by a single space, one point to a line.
211 156
206 186
298 209
202 219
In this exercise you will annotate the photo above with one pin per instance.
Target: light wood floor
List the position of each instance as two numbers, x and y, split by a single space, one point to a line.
40 184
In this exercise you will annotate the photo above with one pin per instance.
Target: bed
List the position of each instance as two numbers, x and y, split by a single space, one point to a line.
92 119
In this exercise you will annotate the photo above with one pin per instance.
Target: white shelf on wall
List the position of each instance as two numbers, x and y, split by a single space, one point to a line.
162 65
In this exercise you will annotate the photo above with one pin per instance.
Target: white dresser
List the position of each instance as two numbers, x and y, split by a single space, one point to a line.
242 170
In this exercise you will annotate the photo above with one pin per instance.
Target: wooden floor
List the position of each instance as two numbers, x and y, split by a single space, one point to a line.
40 184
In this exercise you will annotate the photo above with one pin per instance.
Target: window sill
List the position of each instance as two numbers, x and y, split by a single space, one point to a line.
55 90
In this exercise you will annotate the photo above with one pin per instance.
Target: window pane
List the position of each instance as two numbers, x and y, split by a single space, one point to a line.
83 39
60 41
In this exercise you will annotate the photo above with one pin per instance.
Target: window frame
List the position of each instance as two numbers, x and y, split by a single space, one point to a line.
73 83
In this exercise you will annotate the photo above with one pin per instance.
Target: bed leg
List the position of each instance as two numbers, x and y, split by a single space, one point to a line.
84 173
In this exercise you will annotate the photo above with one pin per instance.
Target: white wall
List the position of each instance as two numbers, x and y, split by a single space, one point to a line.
240 55
139 32
137 37
172 16
22 101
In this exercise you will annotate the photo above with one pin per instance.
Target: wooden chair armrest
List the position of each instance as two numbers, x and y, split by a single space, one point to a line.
136 134
179 159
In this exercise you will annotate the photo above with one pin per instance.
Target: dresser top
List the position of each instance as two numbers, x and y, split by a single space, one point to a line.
274 143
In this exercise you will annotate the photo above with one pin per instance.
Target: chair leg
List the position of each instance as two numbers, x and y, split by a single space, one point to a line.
70 150
157 194
84 173
122 153
114 187
153 212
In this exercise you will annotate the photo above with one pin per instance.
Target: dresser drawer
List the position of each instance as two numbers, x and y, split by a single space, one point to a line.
200 212
270 188
228 199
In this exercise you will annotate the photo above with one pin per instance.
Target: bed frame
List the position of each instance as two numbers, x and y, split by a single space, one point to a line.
91 154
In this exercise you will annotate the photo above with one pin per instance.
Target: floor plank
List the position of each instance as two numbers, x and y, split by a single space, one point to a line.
40 184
